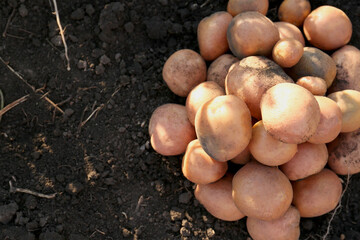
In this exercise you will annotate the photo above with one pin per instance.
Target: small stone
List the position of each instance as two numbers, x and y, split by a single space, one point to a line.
23 11
43 221
210 232
129 27
176 227
7 212
68 112
342 236
89 9
126 232
117 57
99 69
32 226
104 60
185 232
31 202
185 198
97 52
36 155
60 228
176 214
78 14
82 64
56 40
74 188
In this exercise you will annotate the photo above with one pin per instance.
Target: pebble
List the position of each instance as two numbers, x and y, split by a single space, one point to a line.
81 64
126 232
78 14
97 52
20 220
23 11
50 236
185 232
176 214
156 28
89 9
176 227
7 212
74 188
104 59
210 232
185 198
43 221
99 69
36 155
56 40
129 27
32 226
68 112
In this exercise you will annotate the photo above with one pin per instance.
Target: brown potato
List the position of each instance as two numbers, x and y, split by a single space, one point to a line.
211 34
290 113
309 159
242 158
294 11
251 33
330 121
219 68
349 103
318 194
328 28
347 61
223 127
268 150
288 30
217 200
315 85
235 7
251 77
183 70
202 93
286 227
170 130
314 62
261 192
344 153
287 52
200 168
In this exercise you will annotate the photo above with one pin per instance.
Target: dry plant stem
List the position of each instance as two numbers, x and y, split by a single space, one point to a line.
62 34
23 190
8 22
1 100
13 104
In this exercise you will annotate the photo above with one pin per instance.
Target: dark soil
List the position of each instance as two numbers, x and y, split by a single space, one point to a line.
110 183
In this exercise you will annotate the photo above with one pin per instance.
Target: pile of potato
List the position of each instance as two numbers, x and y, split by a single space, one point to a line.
263 106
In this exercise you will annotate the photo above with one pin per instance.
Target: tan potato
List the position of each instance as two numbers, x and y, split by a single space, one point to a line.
217 200
223 127
328 28
219 68
315 85
344 153
202 93
235 7
288 30
314 62
347 61
268 150
287 52
211 34
251 77
184 70
290 113
318 194
170 130
286 227
200 168
261 192
242 158
309 159
349 103
251 33
294 11
330 121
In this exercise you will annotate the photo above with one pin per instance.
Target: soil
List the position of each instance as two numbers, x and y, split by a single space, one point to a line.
96 156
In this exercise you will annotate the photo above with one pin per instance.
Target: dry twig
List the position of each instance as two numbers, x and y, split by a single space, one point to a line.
2 101
90 116
24 190
8 22
13 104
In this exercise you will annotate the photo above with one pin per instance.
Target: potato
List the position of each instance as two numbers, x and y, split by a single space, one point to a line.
328 28
242 158
290 113
261 192
217 200
315 85
202 93
288 30
251 33
330 121
309 159
183 70
235 7
219 68
223 127
347 61
318 194
349 103
200 168
344 153
211 34
287 52
314 62
170 130
251 77
267 150
286 227
294 11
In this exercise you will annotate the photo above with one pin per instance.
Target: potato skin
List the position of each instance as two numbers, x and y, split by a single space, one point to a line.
223 127
251 78
184 70
211 34
200 168
242 158
309 159
235 7
217 200
288 30
294 11
318 194
286 227
315 85
261 192
219 68
327 28
170 130
287 52
251 33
